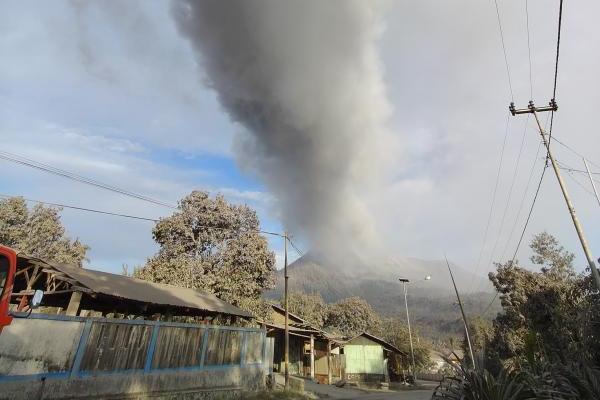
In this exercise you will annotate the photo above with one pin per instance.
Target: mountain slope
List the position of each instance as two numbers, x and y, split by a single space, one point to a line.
431 302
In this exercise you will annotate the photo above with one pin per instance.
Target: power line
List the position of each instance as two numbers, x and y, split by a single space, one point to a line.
537 191
512 231
75 177
487 226
529 49
510 191
512 97
566 146
560 10
81 208
92 210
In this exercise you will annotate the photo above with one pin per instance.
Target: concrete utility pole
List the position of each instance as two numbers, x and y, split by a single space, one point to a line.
462 311
287 325
412 352
531 108
587 168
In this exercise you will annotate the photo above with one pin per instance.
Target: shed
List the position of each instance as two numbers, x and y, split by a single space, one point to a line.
74 288
366 359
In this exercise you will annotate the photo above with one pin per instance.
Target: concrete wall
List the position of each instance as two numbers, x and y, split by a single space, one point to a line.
36 346
58 357
207 384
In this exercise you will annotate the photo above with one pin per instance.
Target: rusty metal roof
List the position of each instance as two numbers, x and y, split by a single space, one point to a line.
128 288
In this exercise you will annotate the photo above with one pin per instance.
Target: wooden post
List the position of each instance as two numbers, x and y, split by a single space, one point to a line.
312 357
329 362
73 307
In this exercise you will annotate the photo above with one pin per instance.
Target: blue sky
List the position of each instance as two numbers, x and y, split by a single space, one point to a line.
112 92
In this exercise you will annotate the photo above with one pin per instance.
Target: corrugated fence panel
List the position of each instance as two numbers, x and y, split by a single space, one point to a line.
254 347
177 347
223 347
113 346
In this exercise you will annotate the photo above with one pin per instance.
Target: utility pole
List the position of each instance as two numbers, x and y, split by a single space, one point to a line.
587 168
532 109
462 311
412 352
287 326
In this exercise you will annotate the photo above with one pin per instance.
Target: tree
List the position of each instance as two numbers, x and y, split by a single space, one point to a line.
541 310
215 246
395 332
38 232
310 307
351 317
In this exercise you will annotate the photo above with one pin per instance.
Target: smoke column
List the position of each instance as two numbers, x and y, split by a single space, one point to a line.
303 80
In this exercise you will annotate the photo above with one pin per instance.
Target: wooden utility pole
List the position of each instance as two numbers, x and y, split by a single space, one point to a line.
532 109
286 356
587 168
462 311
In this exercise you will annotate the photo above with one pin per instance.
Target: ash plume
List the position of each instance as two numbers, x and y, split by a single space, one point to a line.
303 81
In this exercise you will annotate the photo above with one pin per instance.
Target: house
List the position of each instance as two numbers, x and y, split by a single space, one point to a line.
306 341
326 358
366 359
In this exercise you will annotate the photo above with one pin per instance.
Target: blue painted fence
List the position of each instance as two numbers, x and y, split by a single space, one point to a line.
57 346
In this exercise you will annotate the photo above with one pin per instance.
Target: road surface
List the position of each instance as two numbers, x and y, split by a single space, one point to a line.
333 392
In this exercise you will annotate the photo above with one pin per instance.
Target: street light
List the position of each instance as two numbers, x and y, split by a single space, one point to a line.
412 352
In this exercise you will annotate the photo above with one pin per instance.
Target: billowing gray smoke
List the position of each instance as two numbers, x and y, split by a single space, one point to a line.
302 79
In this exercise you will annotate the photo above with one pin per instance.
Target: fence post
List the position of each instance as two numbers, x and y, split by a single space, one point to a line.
81 347
243 349
204 347
151 348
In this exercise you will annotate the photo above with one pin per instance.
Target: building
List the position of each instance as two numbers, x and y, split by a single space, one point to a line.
160 340
366 359
72 290
326 358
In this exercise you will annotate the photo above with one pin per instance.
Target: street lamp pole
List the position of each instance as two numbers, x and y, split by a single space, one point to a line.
412 352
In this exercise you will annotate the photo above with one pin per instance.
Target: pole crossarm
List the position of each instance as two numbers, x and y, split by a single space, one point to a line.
531 108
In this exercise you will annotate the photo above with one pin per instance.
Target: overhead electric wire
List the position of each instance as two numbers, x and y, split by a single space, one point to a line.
512 231
522 234
510 191
75 177
535 160
81 208
566 146
512 97
92 210
560 11
489 219
529 49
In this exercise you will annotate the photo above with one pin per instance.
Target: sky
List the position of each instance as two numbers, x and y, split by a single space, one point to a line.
112 91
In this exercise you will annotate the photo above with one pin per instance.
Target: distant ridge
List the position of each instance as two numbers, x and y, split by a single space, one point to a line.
431 302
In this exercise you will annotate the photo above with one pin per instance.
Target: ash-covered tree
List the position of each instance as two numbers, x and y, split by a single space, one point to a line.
542 312
38 232
310 307
213 245
352 316
395 331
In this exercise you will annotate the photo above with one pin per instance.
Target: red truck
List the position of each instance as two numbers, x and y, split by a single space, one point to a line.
8 266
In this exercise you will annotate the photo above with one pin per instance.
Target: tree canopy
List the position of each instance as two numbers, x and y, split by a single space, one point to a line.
352 316
215 246
310 307
38 232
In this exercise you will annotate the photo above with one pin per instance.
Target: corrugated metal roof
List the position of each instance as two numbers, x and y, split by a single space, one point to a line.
135 289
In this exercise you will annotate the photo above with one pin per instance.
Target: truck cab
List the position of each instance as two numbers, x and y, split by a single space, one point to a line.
8 265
